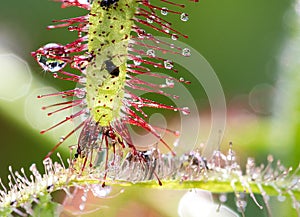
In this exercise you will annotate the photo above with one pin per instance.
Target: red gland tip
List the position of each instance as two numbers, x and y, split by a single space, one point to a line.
47 156
33 54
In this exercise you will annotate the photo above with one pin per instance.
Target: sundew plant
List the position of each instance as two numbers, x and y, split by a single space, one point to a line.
126 59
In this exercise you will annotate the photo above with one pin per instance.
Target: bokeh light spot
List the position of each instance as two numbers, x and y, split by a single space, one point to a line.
15 77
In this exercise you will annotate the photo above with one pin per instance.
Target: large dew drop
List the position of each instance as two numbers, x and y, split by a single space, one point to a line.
51 57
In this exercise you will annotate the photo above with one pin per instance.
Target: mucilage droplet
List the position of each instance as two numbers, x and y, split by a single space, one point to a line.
52 57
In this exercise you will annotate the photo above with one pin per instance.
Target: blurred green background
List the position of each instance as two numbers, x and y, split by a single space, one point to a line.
251 44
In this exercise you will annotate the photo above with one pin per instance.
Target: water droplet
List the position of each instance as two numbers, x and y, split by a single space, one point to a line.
48 164
174 37
81 207
169 82
223 198
83 198
141 33
185 111
186 52
151 53
168 64
82 80
241 202
281 198
80 63
176 142
79 92
164 11
137 62
184 17
51 65
50 57
166 29
150 19
84 2
241 205
100 191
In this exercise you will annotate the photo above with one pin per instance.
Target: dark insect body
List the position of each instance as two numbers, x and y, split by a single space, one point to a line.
107 3
111 68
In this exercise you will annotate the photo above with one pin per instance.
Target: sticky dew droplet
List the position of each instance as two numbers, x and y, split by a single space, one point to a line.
168 64
80 92
166 29
137 62
186 52
82 80
169 82
81 207
223 198
141 33
50 65
184 17
52 58
164 11
281 198
185 111
99 191
176 142
151 53
174 37
61 139
150 19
